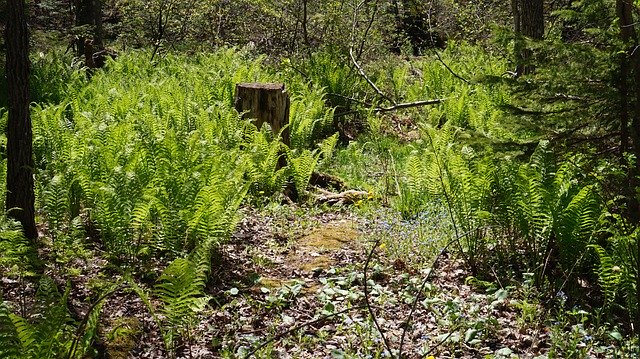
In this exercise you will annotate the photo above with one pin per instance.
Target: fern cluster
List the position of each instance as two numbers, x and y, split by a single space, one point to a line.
533 217
156 158
49 330
617 268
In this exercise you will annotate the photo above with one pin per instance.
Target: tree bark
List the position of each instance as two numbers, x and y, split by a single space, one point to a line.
89 13
528 18
20 193
265 102
631 63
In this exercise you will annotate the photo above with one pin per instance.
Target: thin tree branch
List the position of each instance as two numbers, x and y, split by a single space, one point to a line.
400 106
366 297
366 32
396 107
426 279
364 75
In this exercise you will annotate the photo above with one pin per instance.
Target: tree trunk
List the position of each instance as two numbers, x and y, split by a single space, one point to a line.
631 62
20 193
89 13
528 18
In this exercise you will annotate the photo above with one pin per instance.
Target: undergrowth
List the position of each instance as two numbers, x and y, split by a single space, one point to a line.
150 162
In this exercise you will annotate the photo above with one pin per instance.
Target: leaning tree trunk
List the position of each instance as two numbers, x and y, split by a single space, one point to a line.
528 22
20 194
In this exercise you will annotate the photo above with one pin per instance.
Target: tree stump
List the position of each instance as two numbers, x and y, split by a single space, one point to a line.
265 102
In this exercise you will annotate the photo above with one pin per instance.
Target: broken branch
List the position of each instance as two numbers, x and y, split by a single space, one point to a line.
364 75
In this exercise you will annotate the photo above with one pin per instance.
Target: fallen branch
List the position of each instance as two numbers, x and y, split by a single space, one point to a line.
347 197
400 106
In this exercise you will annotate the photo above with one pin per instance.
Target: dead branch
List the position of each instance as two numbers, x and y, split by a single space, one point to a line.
364 75
400 106
346 197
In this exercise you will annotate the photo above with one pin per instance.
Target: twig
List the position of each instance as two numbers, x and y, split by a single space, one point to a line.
364 75
395 107
366 296
300 326
366 31
442 341
85 320
440 60
350 99
438 54
446 193
414 305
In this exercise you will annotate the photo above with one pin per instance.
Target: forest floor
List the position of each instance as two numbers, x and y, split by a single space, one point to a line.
290 284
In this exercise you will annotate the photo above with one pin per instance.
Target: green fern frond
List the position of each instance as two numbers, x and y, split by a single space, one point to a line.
10 343
180 288
609 275
26 333
328 145
302 166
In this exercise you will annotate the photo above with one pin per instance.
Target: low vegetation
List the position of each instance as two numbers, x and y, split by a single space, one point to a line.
471 217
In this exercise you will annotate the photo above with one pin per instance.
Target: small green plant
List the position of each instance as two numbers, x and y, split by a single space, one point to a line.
180 288
49 332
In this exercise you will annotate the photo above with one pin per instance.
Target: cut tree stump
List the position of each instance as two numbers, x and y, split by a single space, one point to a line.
265 102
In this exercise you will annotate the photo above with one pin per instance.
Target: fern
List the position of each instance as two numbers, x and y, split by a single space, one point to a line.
609 275
17 255
302 166
180 289
9 338
49 332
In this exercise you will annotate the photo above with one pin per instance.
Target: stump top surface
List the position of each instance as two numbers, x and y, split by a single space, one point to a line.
262 85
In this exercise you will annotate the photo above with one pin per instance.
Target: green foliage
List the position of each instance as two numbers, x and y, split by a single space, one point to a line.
17 255
157 159
267 175
302 166
53 74
49 332
180 289
9 341
617 269
533 217
310 119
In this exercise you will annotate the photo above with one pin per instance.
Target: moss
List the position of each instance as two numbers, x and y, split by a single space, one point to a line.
122 337
330 237
315 249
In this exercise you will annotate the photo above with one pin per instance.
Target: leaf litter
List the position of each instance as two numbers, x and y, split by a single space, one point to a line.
293 285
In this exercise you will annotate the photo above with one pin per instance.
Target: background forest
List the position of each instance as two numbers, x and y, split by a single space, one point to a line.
460 179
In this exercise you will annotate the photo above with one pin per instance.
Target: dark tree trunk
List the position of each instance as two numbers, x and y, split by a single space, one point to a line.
20 194
528 22
89 13
631 63
265 102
